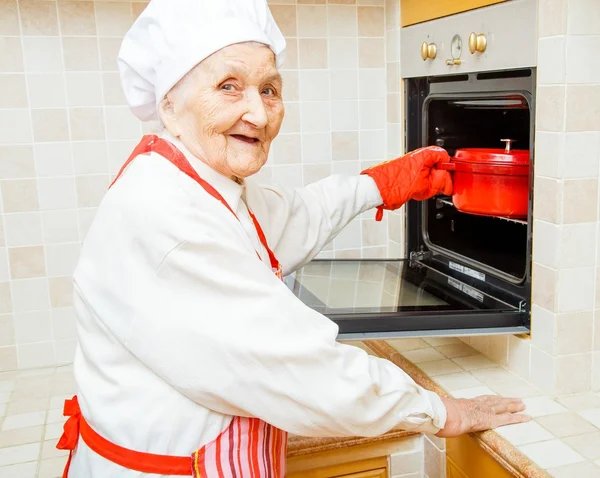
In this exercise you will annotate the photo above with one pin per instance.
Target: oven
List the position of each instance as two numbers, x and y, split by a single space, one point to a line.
462 273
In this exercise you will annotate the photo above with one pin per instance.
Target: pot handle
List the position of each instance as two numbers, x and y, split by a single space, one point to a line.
446 166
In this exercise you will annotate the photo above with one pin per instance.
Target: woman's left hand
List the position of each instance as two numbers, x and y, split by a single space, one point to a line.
481 413
413 176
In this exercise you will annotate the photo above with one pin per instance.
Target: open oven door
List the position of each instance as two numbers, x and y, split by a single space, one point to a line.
371 299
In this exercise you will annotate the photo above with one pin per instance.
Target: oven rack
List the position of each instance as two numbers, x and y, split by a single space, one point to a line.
446 202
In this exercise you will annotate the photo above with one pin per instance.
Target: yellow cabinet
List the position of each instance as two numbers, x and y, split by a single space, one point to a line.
417 11
379 473
371 468
466 459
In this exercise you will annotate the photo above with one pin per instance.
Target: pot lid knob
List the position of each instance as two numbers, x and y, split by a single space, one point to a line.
508 144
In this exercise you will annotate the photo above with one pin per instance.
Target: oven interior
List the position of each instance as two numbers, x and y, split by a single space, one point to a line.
453 123
472 111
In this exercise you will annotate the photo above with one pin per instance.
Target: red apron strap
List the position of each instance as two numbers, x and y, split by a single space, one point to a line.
70 436
143 147
170 152
261 235
130 459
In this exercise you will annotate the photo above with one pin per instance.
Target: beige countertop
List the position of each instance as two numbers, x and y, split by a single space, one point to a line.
502 450
298 446
562 440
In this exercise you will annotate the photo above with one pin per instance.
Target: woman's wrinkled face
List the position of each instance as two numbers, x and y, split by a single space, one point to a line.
228 110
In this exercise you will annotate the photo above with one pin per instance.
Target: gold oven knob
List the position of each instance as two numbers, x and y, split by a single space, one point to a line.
428 50
477 42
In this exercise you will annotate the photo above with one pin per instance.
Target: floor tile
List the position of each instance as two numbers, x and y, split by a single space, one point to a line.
494 375
49 450
38 372
440 367
55 416
541 406
30 391
21 436
7 385
579 470
472 392
474 362
8 376
19 454
65 387
565 424
2 409
58 401
523 433
587 445
580 402
550 454
27 406
52 468
22 470
4 397
456 350
592 416
423 355
457 381
439 341
516 388
404 345
53 431
24 420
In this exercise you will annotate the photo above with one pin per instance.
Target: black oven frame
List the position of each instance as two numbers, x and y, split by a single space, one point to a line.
482 307
418 93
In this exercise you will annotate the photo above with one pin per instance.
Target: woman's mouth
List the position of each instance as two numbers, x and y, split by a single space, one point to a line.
245 139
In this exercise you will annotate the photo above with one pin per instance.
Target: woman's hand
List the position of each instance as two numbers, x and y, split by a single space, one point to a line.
412 176
481 413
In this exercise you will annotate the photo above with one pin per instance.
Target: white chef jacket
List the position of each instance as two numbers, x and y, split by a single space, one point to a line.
181 326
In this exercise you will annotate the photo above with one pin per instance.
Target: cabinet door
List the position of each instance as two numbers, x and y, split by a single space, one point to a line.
453 471
379 473
417 11
466 459
369 468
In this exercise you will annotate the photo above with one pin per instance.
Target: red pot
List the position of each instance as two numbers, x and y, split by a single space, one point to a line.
490 182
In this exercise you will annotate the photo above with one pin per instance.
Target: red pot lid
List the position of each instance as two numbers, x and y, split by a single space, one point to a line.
499 156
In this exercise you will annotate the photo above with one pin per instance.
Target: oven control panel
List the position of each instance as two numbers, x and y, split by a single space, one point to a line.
497 37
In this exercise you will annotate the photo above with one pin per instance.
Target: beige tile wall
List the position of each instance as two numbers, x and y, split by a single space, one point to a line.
408 460
563 355
336 104
394 117
65 130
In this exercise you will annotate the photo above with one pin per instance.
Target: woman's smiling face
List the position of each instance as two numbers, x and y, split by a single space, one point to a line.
228 109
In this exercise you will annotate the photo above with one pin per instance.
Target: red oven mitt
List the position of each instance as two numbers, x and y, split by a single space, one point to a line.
412 176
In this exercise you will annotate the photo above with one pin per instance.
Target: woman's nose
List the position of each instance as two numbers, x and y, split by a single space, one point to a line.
256 113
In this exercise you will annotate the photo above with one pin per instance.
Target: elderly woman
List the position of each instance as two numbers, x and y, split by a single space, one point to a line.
194 358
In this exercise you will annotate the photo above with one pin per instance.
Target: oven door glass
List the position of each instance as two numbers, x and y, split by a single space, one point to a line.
397 298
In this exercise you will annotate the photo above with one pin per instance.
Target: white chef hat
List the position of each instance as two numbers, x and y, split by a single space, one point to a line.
170 37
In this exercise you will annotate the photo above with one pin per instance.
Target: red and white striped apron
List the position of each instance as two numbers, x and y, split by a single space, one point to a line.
247 448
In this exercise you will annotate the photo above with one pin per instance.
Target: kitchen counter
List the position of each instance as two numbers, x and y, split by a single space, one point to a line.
298 446
562 441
